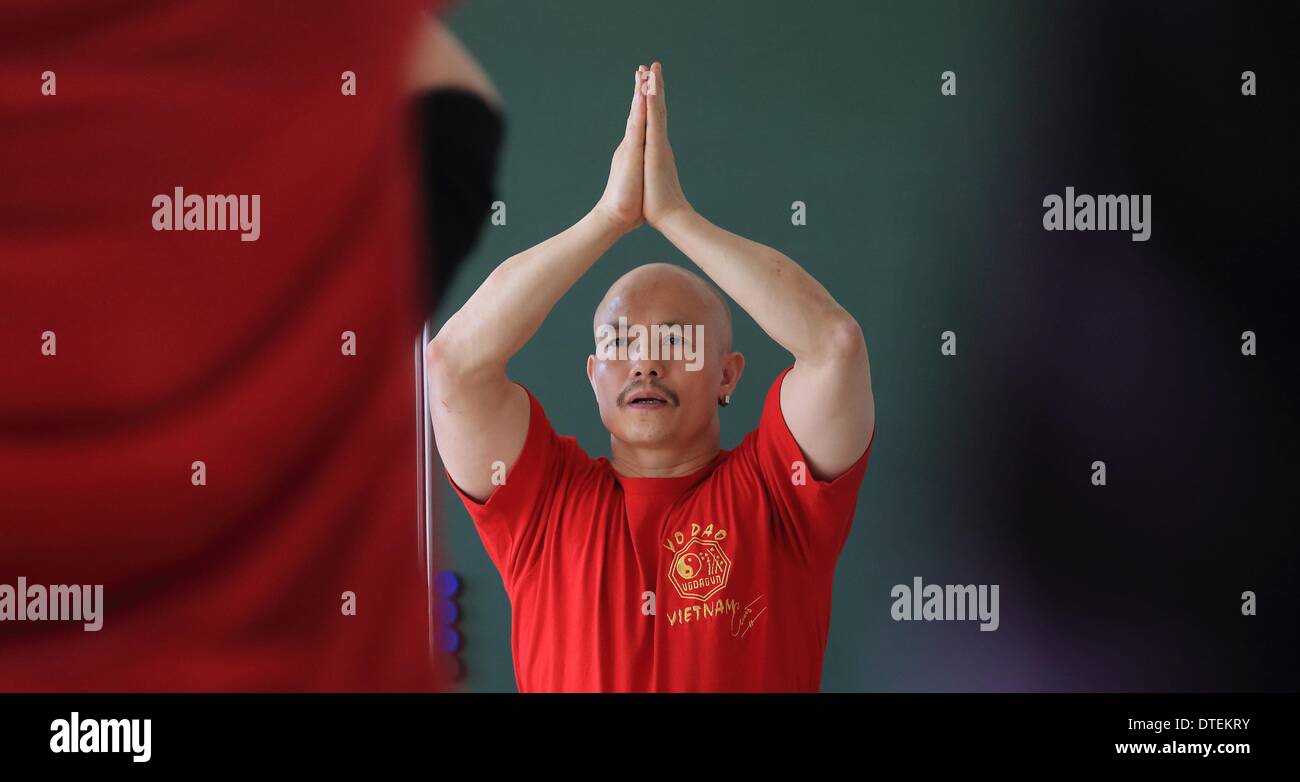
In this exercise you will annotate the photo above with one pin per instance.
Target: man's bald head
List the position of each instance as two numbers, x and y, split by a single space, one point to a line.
672 293
672 365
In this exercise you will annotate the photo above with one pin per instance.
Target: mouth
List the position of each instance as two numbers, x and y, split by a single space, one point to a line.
647 400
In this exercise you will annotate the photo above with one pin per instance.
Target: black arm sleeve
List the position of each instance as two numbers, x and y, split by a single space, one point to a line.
459 136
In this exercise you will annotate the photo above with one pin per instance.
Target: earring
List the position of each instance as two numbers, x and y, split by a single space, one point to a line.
726 400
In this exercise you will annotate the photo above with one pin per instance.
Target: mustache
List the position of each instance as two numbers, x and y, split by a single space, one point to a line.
652 385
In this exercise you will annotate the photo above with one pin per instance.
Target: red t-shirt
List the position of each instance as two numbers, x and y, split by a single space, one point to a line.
173 347
739 555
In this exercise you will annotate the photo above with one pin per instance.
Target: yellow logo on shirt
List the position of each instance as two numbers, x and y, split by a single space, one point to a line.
699 566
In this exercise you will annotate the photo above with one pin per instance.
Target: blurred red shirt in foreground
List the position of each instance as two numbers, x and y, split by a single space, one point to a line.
172 347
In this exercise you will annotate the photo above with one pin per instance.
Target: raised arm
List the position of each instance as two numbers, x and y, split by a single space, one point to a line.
479 416
442 62
826 398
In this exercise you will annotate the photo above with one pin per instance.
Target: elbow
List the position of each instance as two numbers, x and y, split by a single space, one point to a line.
844 340
440 363
453 366
434 353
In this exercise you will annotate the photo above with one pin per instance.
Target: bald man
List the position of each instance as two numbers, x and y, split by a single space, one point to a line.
672 565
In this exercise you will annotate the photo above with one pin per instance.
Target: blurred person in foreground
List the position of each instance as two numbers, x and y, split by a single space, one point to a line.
221 433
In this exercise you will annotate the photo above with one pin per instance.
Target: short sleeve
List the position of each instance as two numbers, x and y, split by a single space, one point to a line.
513 522
460 139
813 517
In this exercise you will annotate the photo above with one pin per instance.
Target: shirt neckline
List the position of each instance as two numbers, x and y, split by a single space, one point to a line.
674 485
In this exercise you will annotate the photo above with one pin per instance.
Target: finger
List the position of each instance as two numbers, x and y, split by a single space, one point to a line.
635 133
656 107
636 90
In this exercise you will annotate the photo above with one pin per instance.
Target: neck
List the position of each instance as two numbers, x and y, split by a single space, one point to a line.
635 462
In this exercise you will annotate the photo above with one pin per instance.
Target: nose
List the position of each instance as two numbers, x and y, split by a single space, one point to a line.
643 367
641 371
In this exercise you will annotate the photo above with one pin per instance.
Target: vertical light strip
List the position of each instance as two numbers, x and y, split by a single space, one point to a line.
424 496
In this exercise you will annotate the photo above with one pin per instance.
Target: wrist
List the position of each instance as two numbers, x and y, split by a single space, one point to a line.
607 224
676 220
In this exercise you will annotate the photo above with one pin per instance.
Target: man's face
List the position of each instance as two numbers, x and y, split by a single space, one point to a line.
659 367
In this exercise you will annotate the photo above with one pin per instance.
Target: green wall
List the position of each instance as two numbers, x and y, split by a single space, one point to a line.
835 104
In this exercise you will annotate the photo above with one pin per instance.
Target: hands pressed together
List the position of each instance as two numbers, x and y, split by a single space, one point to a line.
479 413
643 185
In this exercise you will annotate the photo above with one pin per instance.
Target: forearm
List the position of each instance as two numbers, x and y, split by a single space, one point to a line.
788 303
508 308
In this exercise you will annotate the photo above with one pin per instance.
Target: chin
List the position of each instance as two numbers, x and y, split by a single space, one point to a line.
645 432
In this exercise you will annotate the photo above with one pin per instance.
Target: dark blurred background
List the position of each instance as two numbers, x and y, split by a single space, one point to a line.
924 214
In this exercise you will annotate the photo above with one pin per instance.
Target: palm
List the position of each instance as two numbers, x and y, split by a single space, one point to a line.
622 200
623 192
663 191
643 184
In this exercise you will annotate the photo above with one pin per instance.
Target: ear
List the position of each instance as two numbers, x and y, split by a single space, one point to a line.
591 374
733 366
